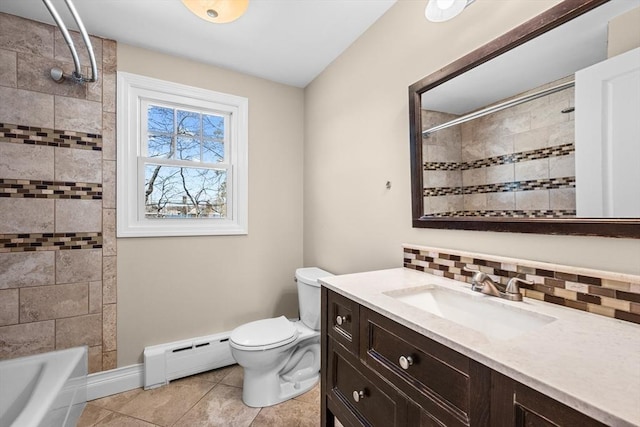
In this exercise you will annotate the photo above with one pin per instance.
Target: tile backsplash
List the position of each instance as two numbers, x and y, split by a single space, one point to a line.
605 293
57 196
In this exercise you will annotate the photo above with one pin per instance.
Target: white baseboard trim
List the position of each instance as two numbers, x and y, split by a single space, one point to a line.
117 380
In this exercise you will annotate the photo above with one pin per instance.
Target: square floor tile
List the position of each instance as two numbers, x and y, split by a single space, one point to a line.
117 401
119 420
312 396
165 405
217 375
235 377
292 413
222 406
92 415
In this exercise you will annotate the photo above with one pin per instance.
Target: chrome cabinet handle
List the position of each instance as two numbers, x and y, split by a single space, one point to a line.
357 395
341 319
405 362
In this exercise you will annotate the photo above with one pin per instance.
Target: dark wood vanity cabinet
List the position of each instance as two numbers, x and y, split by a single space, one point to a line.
514 404
357 396
379 373
344 318
350 390
376 372
450 389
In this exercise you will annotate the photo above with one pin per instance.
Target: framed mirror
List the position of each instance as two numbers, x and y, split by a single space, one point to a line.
493 134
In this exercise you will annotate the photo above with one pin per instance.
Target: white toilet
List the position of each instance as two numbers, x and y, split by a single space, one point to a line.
281 358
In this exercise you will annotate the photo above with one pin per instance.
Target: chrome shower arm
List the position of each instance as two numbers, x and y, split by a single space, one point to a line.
77 74
87 41
65 34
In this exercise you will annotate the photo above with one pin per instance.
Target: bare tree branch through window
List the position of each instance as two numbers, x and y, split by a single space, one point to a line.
173 191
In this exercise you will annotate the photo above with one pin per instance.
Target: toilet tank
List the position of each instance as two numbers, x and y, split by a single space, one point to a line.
309 295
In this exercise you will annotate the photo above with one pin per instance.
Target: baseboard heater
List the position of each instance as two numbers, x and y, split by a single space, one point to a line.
166 362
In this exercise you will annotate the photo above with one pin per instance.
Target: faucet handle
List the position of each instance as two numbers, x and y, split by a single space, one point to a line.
478 278
476 273
512 285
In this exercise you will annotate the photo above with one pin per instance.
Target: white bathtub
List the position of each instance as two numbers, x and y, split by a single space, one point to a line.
44 390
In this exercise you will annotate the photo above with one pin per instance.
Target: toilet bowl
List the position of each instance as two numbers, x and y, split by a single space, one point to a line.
280 357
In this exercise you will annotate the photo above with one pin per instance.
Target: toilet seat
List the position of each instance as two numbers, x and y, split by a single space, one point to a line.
264 334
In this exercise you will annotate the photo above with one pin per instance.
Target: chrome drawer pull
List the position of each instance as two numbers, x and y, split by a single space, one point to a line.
357 395
405 362
342 319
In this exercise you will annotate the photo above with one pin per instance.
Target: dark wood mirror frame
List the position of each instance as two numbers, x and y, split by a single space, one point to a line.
552 18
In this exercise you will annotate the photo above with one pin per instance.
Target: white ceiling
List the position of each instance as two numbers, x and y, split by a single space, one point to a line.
287 41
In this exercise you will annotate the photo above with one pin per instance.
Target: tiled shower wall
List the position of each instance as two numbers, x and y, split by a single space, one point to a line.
442 175
518 162
57 196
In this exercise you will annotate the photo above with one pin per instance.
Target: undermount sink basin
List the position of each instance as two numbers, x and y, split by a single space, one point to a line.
476 311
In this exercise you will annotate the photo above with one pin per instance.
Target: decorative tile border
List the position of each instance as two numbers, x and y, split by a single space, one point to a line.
49 241
523 156
443 166
608 294
503 187
558 213
21 134
21 188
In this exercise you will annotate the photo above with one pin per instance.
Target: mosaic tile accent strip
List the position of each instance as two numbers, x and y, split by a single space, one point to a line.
559 213
21 134
532 184
443 166
49 241
523 156
599 292
20 188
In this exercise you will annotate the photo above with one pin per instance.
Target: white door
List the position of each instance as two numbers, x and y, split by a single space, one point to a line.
607 120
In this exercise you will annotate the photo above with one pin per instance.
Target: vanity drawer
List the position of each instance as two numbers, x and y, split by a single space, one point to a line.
358 396
342 319
449 386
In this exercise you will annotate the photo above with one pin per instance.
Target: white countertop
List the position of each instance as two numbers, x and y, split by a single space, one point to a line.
586 361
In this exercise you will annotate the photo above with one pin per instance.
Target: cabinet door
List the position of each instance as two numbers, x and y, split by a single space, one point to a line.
357 396
514 404
342 321
419 417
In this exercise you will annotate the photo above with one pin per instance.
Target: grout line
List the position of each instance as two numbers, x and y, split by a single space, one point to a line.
214 385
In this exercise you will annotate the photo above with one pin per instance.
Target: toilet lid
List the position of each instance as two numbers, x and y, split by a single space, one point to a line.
266 332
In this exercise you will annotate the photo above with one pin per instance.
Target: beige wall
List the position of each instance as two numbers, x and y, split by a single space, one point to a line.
357 138
178 288
623 33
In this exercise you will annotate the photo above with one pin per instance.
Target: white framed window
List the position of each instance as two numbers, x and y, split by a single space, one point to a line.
182 160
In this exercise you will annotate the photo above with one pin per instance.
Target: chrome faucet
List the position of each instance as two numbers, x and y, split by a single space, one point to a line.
483 283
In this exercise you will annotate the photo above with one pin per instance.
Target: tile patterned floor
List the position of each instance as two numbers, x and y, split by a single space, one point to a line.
209 399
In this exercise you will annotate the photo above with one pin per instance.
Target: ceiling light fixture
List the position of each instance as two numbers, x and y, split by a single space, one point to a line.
217 11
443 10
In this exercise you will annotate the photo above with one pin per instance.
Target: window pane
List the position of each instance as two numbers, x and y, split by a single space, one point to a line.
212 151
188 148
159 146
188 123
213 126
160 119
172 192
